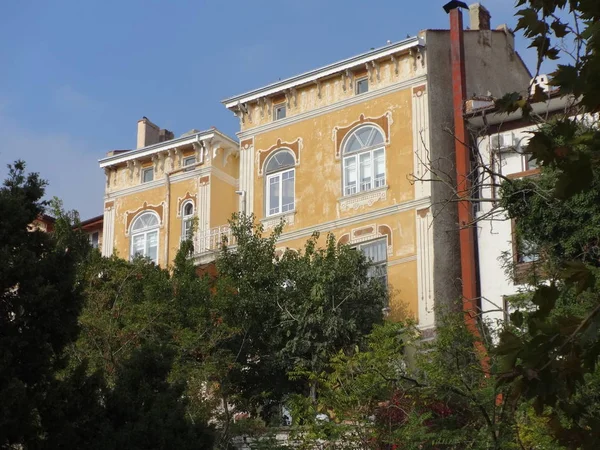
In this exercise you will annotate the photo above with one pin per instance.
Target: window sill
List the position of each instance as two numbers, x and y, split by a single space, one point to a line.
361 199
271 222
524 174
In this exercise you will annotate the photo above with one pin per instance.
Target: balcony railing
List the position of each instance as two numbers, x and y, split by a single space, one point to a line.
210 241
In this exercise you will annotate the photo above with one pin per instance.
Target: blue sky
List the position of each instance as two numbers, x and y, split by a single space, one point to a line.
77 75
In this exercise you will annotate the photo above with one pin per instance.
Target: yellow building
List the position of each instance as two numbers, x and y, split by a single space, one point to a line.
348 149
155 193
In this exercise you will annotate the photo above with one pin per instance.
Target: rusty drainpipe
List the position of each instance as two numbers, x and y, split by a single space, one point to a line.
463 167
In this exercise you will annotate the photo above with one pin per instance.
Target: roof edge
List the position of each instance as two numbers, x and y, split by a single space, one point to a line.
166 145
329 69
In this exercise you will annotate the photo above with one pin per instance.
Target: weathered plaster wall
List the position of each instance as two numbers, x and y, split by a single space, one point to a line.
492 65
334 89
402 250
319 170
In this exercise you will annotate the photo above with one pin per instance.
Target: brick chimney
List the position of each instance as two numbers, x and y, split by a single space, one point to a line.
149 133
480 17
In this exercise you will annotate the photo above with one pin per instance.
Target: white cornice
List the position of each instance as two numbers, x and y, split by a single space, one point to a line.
232 181
355 218
415 81
167 145
313 75
174 179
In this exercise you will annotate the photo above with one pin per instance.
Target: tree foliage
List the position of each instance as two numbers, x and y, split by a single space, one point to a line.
39 306
289 309
551 353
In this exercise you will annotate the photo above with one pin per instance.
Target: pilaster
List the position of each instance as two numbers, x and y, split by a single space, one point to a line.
426 316
422 158
108 229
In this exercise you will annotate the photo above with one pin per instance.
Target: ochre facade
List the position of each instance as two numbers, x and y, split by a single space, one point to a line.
319 119
208 184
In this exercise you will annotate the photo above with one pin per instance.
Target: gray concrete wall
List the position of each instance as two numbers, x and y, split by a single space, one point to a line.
492 66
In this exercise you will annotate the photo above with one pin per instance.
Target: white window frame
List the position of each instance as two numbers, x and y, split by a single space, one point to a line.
376 264
356 83
186 165
278 107
186 218
279 176
376 183
145 232
144 171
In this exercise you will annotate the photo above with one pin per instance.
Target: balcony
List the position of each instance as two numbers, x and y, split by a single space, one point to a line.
207 243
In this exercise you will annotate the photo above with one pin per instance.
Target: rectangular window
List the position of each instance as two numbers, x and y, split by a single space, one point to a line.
365 172
146 245
280 192
376 252
186 232
530 164
188 162
94 238
147 174
370 171
526 252
279 111
362 85
350 175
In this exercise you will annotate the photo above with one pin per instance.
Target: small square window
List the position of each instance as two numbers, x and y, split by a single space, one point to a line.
279 111
362 85
147 174
189 161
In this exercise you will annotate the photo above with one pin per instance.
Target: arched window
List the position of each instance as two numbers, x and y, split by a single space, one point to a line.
364 160
279 187
144 236
187 218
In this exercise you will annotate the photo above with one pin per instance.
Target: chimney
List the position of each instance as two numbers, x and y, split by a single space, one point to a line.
480 17
149 133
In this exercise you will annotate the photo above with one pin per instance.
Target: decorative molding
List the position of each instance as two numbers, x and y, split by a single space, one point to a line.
262 155
108 229
362 199
371 232
130 215
181 200
218 173
425 263
339 133
203 181
356 218
344 239
272 221
197 172
415 81
247 143
395 262
396 63
421 147
318 84
419 90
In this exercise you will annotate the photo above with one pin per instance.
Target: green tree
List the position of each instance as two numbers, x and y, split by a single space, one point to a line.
400 391
550 355
39 306
290 310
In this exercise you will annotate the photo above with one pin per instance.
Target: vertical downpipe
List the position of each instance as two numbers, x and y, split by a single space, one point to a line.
463 167
166 215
